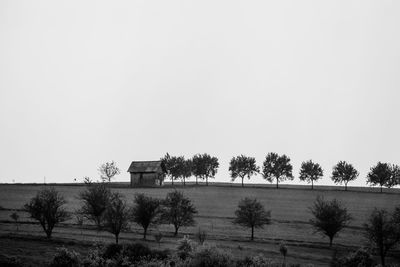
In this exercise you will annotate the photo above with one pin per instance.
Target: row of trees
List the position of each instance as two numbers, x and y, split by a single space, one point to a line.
382 228
275 168
110 212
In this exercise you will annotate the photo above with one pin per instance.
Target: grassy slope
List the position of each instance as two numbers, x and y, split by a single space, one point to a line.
216 205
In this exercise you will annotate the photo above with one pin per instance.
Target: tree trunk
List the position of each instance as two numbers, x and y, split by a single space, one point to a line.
48 234
196 181
252 233
184 181
207 181
172 179
242 182
176 231
381 188
312 184
330 241
382 254
116 238
277 183
345 186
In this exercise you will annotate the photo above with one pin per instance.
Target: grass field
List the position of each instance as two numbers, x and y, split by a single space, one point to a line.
216 205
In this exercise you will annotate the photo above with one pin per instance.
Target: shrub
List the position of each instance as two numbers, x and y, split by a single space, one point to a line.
112 251
201 236
136 251
10 262
361 257
210 256
185 248
65 258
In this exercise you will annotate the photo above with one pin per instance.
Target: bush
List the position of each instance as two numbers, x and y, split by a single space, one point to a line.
361 257
10 262
185 248
111 251
136 252
65 258
210 256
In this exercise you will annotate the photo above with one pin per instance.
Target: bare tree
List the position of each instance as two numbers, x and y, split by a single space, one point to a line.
383 230
146 211
108 170
330 217
252 214
47 208
116 216
310 172
344 172
277 168
178 210
242 166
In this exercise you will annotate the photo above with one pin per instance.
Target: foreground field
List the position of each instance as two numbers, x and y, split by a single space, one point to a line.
216 205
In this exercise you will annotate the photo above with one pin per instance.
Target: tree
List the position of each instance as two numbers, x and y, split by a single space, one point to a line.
172 166
242 166
395 177
146 211
184 168
344 172
108 170
310 172
15 217
330 217
277 167
47 208
380 174
204 166
383 230
116 215
251 213
95 199
178 210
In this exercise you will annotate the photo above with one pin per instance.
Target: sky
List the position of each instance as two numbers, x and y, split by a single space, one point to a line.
86 82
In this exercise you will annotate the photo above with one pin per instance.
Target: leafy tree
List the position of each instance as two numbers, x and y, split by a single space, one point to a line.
242 166
344 172
310 172
395 177
178 210
108 170
116 215
146 211
330 217
95 199
15 217
173 166
380 174
251 213
277 168
383 230
204 166
47 208
184 169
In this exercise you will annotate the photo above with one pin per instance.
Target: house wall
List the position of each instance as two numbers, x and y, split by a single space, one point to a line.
144 179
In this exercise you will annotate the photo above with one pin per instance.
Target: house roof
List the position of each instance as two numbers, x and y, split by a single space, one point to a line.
146 166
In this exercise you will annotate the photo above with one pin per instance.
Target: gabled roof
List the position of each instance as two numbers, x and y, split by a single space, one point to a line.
146 166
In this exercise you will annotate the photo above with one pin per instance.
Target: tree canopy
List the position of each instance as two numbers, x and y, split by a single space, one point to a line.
344 172
380 174
204 166
310 172
276 167
146 211
116 215
251 213
242 166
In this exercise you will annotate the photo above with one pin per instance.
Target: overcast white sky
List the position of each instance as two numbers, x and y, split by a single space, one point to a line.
84 82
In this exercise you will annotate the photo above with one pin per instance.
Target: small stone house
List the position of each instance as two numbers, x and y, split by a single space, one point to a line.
146 173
